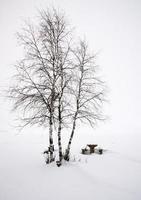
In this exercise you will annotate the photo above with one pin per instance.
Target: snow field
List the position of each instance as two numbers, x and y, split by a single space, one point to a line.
115 175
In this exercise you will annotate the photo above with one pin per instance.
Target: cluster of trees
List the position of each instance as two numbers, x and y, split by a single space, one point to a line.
56 83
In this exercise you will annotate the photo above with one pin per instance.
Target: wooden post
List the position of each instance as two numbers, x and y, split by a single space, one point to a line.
92 147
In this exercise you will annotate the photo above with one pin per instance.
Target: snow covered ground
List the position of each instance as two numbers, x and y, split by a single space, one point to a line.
115 175
114 28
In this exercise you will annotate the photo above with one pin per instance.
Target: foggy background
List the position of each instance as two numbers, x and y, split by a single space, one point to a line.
112 28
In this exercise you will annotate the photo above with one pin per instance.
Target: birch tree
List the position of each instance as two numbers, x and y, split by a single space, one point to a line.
56 82
36 92
87 90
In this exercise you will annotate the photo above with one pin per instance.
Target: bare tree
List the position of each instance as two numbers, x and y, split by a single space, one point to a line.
87 91
56 84
55 27
40 71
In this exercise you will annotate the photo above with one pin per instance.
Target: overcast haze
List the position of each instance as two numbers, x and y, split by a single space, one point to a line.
111 27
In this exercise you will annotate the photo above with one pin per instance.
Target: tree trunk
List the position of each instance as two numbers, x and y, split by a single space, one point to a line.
59 134
59 144
67 153
51 146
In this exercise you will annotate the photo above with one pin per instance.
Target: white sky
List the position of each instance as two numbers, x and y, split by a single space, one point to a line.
111 26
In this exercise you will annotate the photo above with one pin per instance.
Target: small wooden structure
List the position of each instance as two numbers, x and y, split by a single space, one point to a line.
91 148
100 151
